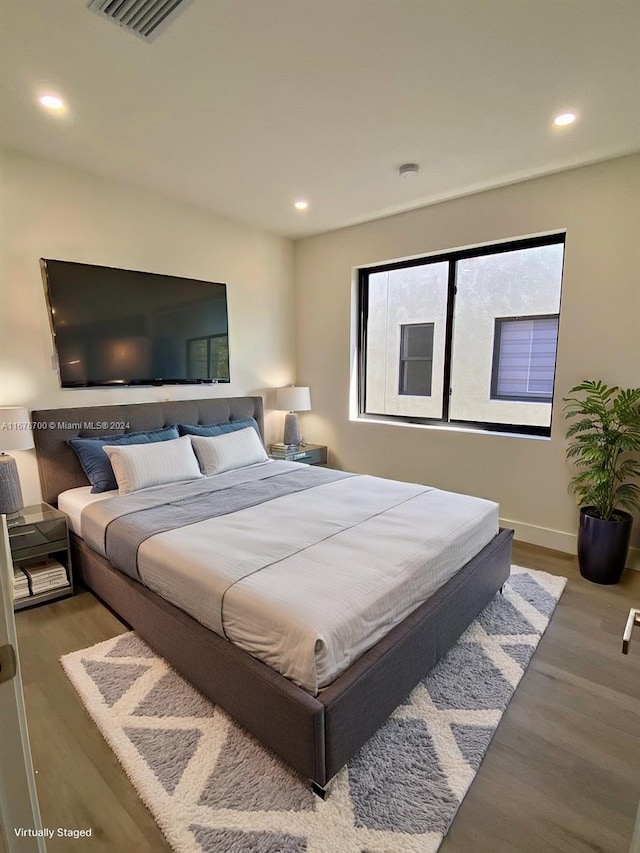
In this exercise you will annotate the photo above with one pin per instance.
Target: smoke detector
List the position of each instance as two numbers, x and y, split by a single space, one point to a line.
144 18
408 170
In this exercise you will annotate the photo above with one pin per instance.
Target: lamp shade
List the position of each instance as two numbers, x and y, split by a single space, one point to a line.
293 399
14 429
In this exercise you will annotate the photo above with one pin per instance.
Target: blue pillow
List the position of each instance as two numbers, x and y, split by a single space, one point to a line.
219 429
95 462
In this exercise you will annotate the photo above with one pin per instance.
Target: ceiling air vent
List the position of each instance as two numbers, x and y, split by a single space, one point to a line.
144 18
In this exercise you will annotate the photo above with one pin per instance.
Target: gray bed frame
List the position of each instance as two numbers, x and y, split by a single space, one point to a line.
315 735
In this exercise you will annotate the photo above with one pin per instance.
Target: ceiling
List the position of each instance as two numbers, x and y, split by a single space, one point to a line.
242 107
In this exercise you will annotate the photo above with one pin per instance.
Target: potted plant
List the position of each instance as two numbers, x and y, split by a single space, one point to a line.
605 430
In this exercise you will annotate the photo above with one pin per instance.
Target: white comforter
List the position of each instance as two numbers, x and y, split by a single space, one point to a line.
335 568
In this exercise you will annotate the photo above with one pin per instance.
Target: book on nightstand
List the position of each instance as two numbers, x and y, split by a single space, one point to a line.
20 584
45 576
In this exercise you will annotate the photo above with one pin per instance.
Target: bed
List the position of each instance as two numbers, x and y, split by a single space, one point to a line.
316 730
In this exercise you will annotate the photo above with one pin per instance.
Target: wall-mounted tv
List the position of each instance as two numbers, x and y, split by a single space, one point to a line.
114 327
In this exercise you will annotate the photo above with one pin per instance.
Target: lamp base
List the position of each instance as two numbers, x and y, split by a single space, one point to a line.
292 430
10 492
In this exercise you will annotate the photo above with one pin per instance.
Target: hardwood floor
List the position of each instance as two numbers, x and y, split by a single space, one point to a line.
561 773
80 783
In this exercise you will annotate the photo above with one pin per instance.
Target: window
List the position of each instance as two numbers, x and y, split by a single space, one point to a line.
208 358
416 359
467 338
524 358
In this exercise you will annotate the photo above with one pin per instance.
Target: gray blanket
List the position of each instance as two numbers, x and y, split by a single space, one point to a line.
116 527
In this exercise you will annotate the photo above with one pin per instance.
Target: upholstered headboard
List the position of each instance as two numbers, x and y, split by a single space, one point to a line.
58 464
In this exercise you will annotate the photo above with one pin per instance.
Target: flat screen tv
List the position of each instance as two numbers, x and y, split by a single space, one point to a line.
114 327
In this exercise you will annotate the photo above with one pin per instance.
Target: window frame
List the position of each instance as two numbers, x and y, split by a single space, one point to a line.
495 362
452 258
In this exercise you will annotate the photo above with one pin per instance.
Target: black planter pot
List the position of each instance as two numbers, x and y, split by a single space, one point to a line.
603 546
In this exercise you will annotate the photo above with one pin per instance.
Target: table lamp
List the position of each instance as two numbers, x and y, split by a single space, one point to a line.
14 435
293 400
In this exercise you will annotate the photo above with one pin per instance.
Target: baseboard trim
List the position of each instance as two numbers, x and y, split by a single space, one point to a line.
558 540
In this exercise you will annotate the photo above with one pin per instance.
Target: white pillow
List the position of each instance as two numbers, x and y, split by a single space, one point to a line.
218 453
138 466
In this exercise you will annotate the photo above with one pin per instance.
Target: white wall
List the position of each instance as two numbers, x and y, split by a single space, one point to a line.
55 212
599 336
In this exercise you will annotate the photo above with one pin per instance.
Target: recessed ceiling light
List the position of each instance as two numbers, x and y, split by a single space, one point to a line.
52 102
301 205
564 119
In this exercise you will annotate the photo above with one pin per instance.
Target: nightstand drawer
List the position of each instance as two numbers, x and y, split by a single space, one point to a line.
33 535
311 457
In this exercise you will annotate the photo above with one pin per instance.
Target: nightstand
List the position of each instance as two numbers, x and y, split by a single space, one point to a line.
39 542
310 454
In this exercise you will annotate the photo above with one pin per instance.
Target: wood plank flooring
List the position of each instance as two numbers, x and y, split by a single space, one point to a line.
561 774
80 783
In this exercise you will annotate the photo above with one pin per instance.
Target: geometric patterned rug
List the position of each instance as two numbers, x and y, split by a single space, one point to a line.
212 787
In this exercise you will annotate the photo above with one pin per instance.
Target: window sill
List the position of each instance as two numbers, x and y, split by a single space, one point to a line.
449 428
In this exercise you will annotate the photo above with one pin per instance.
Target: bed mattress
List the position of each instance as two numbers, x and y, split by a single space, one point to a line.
307 581
73 501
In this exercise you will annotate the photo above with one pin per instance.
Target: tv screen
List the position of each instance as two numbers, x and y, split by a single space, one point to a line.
121 327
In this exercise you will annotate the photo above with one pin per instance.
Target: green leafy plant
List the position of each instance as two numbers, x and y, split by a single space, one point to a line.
606 432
